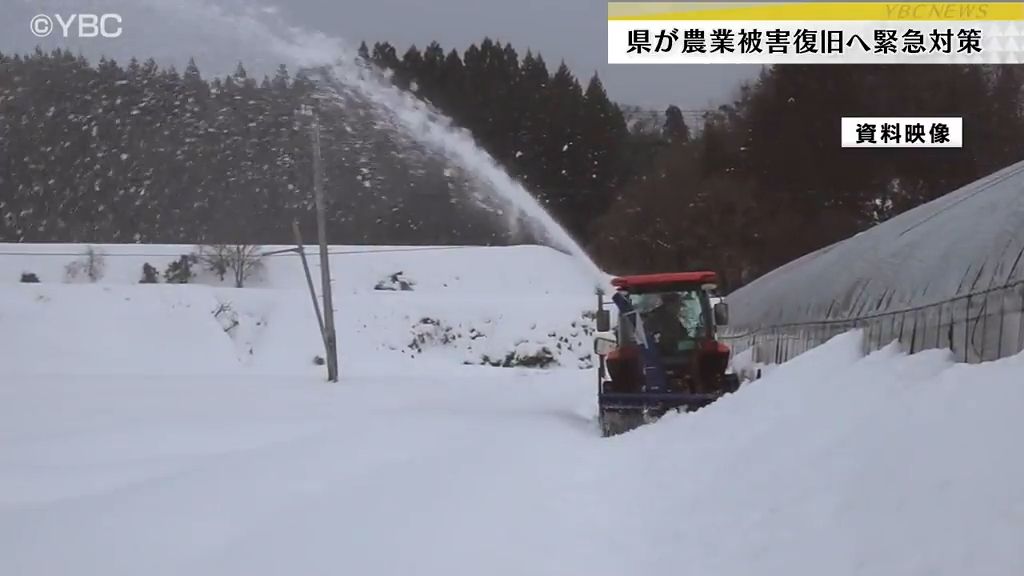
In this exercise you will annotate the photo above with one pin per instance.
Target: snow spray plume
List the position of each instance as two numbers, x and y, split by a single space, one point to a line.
429 127
220 34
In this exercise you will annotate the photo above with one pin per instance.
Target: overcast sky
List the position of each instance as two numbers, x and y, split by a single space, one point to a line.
573 30
570 30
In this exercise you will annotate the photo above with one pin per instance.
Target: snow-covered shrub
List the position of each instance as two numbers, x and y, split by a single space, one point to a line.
430 331
29 278
482 343
91 266
149 274
180 271
525 355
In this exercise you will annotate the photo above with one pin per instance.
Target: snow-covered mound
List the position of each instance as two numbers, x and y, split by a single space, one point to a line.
510 306
831 464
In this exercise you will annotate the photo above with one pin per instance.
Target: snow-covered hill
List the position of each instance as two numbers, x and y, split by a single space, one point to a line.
138 437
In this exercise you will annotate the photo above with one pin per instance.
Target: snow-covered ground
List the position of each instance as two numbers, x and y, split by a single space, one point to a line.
462 305
138 437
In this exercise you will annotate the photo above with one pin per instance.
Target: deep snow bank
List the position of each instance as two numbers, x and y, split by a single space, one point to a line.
90 329
840 464
96 329
832 464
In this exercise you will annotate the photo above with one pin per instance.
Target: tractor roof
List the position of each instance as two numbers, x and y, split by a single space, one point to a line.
665 279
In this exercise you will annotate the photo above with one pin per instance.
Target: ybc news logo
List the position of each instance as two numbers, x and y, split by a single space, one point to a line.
77 25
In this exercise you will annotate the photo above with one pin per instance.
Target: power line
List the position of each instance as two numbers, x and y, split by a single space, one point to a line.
660 112
282 252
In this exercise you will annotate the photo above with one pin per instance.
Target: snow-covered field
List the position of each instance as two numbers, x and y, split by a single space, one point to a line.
463 305
138 437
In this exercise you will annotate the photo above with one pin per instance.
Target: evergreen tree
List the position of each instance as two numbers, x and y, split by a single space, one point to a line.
566 176
410 69
533 129
675 129
603 138
385 56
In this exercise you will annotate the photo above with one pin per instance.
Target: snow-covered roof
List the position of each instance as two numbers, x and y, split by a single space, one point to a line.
967 242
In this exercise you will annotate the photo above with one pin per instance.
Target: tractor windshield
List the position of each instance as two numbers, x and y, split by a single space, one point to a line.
674 319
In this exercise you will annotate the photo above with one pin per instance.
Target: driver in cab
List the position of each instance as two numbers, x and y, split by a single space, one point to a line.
665 323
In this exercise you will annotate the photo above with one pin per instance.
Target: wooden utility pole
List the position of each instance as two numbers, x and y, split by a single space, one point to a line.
330 338
600 360
300 248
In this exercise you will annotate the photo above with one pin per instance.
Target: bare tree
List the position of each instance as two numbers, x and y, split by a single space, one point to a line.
243 261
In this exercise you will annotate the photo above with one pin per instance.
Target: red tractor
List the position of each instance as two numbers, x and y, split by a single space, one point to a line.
662 353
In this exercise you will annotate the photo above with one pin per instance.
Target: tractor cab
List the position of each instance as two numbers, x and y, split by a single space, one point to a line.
662 353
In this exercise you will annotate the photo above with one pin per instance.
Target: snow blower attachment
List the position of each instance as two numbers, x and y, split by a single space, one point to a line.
663 353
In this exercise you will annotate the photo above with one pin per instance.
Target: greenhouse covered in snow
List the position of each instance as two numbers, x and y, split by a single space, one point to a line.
947 274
